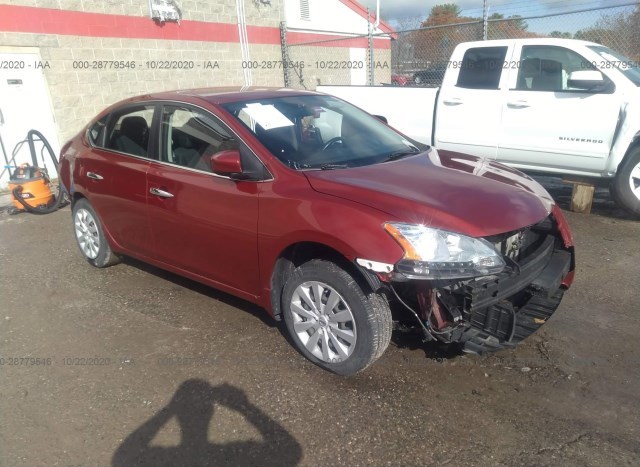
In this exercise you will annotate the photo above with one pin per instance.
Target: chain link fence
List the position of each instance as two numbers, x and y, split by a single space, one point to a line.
355 60
418 54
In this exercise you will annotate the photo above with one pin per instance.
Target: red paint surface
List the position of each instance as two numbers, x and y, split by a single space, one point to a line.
229 234
77 23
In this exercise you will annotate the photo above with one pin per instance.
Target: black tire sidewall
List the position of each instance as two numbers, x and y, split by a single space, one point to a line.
620 188
104 252
346 286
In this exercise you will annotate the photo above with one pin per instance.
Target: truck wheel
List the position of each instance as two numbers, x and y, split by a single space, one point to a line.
90 236
626 186
332 321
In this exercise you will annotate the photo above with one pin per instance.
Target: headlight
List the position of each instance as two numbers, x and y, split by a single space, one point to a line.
438 254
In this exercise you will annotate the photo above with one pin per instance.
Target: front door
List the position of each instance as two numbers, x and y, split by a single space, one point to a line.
202 223
546 123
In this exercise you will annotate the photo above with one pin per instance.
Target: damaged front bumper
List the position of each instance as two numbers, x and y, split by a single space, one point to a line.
497 311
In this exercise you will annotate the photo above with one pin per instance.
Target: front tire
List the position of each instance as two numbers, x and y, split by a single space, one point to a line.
625 188
332 321
90 236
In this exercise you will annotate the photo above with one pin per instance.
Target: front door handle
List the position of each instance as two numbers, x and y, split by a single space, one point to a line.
95 176
518 104
160 193
453 101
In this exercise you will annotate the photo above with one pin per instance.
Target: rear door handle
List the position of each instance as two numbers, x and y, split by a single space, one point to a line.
160 193
452 101
95 176
518 104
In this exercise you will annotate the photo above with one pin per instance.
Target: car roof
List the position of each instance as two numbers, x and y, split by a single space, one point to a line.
223 95
531 41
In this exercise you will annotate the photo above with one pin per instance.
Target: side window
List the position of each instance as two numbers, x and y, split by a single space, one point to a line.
481 68
547 68
97 131
191 137
129 130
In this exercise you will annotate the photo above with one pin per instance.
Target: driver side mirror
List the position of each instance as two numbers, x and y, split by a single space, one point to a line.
227 164
587 80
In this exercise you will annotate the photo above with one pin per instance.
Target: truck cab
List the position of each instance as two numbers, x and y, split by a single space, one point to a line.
527 103
550 105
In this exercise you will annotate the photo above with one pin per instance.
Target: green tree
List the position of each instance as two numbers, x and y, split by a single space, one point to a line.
560 35
512 27
441 32
620 32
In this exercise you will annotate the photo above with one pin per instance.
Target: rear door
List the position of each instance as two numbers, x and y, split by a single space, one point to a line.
469 109
202 223
113 174
548 124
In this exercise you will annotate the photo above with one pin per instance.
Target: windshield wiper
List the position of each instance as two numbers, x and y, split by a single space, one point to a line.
333 166
400 154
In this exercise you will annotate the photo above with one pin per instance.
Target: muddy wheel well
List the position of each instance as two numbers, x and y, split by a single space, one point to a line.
300 253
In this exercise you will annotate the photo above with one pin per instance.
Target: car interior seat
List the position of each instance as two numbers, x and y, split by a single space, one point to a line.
549 78
185 146
281 142
132 137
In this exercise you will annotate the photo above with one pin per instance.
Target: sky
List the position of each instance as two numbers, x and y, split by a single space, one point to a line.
397 9
397 12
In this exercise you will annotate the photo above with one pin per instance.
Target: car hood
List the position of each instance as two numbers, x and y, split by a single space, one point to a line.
443 189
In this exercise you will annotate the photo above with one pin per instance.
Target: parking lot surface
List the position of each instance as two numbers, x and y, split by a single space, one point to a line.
131 365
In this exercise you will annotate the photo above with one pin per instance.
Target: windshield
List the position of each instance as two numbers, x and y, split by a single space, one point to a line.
320 132
628 67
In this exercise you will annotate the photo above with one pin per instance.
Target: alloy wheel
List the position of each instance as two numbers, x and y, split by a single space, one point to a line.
634 181
87 233
323 322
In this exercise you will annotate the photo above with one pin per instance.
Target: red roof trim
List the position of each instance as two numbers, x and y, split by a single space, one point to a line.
362 11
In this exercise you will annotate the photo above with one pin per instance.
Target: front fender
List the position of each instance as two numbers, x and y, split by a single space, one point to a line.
628 134
350 228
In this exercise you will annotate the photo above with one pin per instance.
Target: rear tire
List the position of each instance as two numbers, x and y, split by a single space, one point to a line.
344 337
90 237
625 188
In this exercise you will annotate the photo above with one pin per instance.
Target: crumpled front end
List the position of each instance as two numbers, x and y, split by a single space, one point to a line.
495 311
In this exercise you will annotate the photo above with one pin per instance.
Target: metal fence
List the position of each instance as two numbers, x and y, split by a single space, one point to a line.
418 54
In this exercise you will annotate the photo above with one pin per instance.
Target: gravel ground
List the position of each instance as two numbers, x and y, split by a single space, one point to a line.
141 366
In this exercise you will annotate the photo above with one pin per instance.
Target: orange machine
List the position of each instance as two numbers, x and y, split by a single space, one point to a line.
31 186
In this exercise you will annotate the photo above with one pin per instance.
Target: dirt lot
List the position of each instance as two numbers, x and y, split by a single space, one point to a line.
148 367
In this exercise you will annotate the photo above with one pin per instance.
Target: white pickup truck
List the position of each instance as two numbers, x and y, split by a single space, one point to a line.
546 105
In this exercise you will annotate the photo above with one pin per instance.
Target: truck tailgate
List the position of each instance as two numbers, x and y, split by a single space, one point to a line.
409 110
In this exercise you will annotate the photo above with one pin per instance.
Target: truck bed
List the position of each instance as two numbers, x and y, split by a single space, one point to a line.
409 110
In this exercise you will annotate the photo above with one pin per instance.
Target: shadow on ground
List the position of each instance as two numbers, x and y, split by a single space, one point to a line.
203 289
193 405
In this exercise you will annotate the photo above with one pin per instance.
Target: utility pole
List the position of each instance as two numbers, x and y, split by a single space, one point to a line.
485 20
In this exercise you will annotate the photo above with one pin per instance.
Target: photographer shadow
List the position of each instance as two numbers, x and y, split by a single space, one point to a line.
193 407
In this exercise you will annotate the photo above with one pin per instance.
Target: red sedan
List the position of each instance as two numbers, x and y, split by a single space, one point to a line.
323 215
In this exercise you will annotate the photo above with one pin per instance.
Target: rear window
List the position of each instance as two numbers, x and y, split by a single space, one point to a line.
481 68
